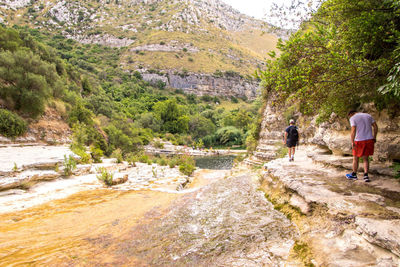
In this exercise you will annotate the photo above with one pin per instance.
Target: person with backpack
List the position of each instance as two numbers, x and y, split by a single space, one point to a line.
291 139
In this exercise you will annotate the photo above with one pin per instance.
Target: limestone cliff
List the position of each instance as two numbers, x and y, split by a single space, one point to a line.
333 135
206 84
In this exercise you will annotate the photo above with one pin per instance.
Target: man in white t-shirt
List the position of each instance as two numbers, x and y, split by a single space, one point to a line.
363 137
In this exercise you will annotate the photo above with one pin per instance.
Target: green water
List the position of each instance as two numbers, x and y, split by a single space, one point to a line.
215 162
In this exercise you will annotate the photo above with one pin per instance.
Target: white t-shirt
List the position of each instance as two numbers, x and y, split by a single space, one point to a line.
363 122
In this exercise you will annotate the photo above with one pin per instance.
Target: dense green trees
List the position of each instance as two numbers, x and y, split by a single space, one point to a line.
338 59
29 73
108 109
11 125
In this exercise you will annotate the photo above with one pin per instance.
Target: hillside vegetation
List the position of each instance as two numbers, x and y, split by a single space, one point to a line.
108 109
346 55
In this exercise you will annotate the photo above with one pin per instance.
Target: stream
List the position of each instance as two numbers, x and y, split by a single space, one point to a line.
218 219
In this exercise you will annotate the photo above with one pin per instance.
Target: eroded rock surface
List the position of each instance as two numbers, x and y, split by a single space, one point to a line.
346 223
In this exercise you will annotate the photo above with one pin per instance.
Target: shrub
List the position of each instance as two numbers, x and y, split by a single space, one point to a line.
396 169
186 169
158 144
11 125
117 153
162 161
96 154
105 177
69 165
187 165
229 136
81 152
173 162
144 159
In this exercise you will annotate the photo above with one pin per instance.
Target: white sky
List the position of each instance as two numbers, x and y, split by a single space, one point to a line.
255 8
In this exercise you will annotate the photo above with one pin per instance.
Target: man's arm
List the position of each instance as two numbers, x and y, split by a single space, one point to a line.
375 126
353 136
284 138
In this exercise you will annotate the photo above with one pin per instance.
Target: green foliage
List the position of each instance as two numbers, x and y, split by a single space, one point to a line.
158 144
229 136
200 126
338 60
396 169
11 125
118 155
393 85
29 73
80 114
187 165
150 121
172 116
96 153
69 165
85 158
105 176
108 108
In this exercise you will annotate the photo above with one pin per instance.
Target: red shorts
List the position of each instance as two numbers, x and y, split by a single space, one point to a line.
363 148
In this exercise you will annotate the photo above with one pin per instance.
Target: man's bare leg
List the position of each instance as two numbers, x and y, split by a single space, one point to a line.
366 164
355 164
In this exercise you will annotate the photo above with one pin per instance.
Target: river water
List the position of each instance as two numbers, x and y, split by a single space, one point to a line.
224 162
219 219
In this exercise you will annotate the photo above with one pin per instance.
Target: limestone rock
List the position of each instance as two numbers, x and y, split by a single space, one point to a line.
205 84
385 233
300 203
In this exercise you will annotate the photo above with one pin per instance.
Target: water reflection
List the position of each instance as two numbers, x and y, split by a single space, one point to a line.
215 162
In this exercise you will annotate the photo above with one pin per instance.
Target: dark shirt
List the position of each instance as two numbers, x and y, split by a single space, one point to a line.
289 137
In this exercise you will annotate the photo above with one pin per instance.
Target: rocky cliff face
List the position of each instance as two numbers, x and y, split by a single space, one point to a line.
200 37
204 84
333 135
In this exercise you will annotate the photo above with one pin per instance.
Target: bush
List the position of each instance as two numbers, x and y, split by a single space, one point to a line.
69 165
11 125
162 161
81 152
158 144
105 176
96 154
117 153
186 169
186 165
144 159
229 136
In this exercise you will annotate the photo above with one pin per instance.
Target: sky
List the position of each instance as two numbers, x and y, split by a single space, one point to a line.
255 8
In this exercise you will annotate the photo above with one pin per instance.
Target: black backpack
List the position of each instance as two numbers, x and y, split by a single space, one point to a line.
293 134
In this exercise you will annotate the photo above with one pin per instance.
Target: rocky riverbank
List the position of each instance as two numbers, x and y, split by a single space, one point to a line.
341 222
33 175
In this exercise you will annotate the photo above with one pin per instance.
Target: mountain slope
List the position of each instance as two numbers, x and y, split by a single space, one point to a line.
201 36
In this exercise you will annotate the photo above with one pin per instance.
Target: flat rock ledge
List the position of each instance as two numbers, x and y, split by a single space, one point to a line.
361 225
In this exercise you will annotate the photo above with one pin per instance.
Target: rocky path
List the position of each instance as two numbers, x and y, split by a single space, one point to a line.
345 223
